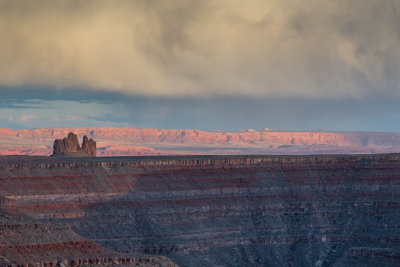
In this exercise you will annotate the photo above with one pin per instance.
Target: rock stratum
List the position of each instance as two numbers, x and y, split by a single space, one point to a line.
136 141
325 210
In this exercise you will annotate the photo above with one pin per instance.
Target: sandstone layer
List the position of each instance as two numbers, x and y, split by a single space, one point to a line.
326 210
135 141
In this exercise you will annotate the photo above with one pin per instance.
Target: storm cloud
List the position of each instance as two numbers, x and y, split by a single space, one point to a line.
180 48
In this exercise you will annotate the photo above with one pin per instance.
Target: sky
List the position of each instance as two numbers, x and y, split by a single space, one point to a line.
290 65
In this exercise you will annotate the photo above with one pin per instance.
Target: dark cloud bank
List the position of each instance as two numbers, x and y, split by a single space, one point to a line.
212 113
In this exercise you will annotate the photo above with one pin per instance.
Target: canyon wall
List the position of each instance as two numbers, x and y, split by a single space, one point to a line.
322 210
135 141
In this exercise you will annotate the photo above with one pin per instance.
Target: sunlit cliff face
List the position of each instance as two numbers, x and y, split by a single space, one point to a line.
319 49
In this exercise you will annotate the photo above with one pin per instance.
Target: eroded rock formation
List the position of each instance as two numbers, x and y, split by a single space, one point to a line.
69 146
203 210
89 146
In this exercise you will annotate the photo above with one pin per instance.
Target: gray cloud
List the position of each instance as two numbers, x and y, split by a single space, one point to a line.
176 48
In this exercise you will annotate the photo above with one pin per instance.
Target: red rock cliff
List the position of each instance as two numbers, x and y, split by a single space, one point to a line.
135 141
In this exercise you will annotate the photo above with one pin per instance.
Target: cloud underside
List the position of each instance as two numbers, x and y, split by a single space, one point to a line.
317 48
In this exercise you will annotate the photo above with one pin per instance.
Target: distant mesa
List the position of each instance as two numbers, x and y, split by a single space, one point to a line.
69 147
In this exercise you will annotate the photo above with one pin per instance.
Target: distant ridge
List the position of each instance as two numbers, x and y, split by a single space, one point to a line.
139 141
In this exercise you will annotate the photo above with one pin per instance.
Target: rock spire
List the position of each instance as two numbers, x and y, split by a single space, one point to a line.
69 146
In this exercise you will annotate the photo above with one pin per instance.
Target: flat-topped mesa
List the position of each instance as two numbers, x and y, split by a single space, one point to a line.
69 146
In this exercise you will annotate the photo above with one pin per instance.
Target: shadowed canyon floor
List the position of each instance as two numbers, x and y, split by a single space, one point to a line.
136 141
326 210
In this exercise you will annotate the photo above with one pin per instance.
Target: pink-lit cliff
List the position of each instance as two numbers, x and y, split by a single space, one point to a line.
134 141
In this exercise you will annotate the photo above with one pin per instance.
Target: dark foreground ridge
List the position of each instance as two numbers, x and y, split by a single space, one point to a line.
324 210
